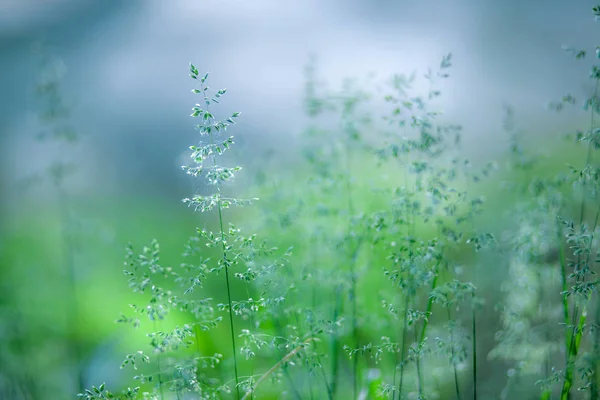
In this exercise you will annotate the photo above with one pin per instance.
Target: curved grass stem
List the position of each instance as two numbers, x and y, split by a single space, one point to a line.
277 366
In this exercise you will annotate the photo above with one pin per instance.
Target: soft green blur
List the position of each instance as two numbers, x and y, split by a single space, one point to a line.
98 125
35 300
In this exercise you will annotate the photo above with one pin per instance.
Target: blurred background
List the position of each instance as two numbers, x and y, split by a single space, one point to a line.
116 81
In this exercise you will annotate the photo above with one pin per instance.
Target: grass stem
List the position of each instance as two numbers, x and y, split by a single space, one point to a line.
452 355
577 331
277 366
229 301
334 349
403 346
474 345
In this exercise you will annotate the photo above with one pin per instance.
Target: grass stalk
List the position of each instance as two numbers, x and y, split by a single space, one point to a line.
334 349
423 334
353 299
565 287
418 364
353 277
473 315
354 338
325 381
594 390
321 368
403 347
159 367
547 392
227 273
573 350
434 284
277 366
229 302
577 331
285 370
474 345
394 375
452 354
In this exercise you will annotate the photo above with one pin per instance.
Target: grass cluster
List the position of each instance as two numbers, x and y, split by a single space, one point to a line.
373 269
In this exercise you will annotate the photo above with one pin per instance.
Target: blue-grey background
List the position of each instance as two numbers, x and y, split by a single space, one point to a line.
127 83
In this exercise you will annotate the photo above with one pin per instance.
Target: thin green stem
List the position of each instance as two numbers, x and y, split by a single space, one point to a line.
286 372
429 306
403 346
353 277
473 307
159 366
227 279
577 331
573 350
565 287
418 363
594 390
393 394
284 368
277 366
231 325
323 374
253 323
226 266
452 354
421 337
325 381
334 343
354 321
474 345
546 392
197 337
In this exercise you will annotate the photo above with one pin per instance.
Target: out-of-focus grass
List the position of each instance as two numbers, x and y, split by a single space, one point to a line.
33 272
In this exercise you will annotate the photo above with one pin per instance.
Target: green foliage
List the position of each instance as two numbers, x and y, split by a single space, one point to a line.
394 284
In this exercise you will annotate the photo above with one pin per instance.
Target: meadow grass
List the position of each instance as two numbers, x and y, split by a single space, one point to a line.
376 296
384 272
